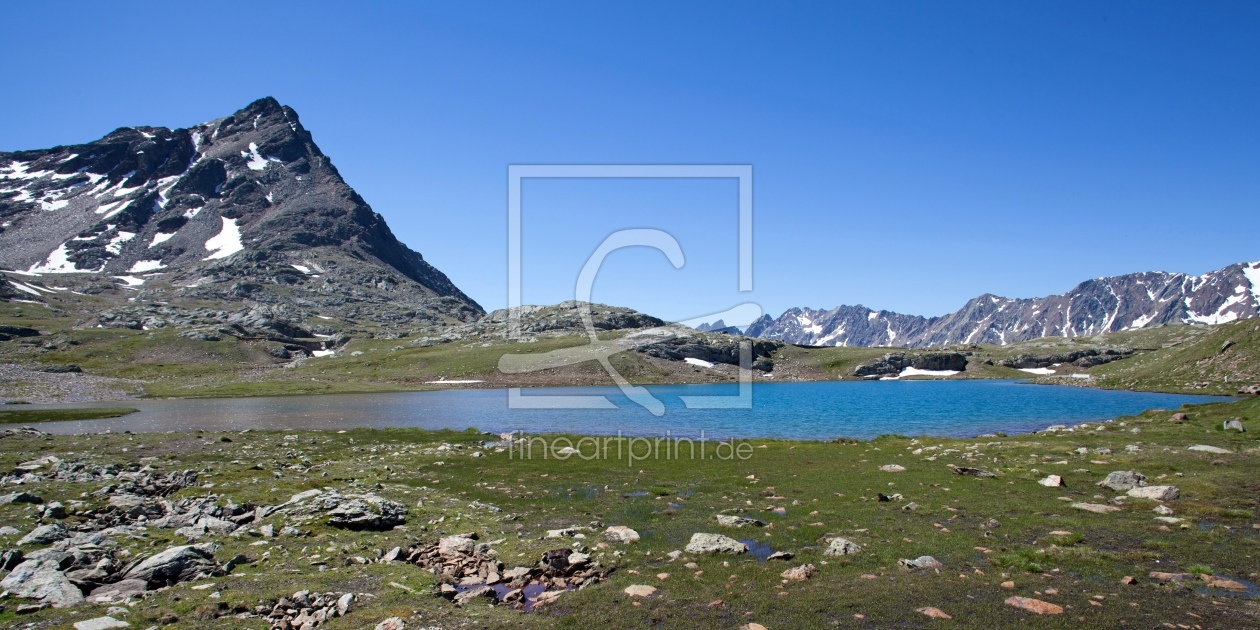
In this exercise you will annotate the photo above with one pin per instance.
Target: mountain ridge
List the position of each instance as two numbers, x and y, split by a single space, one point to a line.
1107 304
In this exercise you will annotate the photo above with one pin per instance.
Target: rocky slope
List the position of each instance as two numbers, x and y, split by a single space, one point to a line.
1093 307
241 210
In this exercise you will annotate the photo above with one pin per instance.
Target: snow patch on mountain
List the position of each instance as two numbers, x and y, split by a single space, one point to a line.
226 242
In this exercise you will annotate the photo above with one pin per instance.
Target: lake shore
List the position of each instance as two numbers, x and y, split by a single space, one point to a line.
1072 546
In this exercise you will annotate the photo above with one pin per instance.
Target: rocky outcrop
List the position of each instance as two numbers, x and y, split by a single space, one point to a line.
893 363
1085 358
1093 307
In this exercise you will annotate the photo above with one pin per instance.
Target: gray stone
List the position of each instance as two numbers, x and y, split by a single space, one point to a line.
731 520
621 534
1156 493
19 497
714 543
9 531
118 592
1233 425
842 547
42 580
45 534
101 623
175 565
1123 480
922 562
1204 448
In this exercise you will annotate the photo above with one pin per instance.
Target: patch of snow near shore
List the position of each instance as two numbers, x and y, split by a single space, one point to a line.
304 269
699 362
1037 370
132 281
917 372
226 242
323 353
160 238
1085 376
445 382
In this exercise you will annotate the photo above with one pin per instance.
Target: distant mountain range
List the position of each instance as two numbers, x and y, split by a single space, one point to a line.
242 207
1118 303
244 219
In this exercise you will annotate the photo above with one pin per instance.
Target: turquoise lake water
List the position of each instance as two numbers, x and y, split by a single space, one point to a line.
805 411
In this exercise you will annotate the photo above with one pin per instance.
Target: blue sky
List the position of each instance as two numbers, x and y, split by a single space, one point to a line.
906 156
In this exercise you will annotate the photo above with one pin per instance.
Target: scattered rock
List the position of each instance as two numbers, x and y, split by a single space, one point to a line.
1204 448
1123 480
5 530
1156 493
1179 417
933 612
801 573
1163 510
305 610
20 497
714 543
781 555
972 472
640 590
1034 605
101 623
922 562
1233 425
1052 481
893 468
729 520
392 623
1096 508
621 534
842 547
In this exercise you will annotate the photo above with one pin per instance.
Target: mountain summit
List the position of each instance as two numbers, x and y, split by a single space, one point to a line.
1118 303
242 206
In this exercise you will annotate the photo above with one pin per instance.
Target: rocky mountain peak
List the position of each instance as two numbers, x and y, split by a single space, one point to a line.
231 197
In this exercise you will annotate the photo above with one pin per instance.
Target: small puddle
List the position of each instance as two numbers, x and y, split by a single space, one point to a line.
529 593
1251 592
757 549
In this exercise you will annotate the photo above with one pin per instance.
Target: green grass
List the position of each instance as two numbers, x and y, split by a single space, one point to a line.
827 489
23 416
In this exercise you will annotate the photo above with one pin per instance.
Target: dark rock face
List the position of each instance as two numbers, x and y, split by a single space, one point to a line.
1080 358
714 349
1093 307
230 209
893 363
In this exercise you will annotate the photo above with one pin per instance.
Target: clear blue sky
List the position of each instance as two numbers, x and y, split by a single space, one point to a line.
906 155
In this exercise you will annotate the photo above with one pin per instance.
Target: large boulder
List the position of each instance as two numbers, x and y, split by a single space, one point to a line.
175 565
45 534
1123 480
842 547
1156 493
715 543
355 511
43 580
732 520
